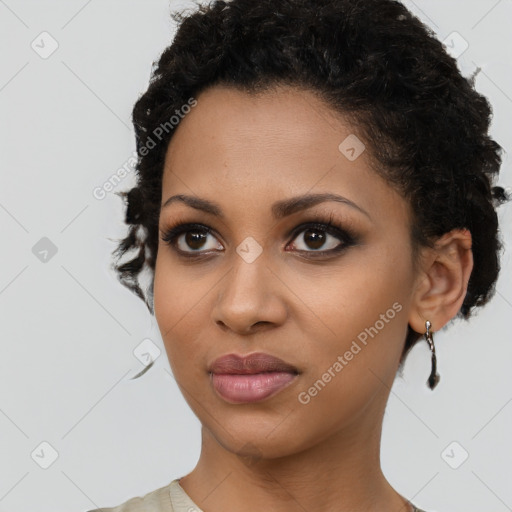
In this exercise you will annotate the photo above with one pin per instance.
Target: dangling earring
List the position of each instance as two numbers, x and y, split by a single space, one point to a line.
434 376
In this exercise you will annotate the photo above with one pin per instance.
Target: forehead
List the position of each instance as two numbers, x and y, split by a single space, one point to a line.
230 121
283 142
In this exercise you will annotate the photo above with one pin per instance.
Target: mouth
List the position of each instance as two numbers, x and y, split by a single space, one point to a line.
239 379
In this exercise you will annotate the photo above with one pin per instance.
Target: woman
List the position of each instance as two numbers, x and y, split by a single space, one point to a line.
315 195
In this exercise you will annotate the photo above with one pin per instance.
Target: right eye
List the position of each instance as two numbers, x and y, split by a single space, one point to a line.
182 237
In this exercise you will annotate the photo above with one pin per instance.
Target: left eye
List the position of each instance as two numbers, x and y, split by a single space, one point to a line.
317 238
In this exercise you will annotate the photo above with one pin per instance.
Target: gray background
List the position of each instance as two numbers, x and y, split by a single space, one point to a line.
69 329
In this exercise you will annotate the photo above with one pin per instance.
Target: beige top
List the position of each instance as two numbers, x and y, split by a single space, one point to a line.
169 498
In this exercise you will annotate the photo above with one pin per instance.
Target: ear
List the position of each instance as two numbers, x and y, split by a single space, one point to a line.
443 281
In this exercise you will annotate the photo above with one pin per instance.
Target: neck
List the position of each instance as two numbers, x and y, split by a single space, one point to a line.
341 473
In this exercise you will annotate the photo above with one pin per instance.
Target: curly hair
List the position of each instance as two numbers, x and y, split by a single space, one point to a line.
374 63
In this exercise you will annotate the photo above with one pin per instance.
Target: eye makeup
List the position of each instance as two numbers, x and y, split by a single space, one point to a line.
179 232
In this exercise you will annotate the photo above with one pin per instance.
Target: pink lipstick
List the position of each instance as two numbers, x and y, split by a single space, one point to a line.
252 378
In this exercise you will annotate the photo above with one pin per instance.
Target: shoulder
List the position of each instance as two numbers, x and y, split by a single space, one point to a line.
158 500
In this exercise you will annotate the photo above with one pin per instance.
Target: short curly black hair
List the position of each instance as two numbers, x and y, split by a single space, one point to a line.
374 63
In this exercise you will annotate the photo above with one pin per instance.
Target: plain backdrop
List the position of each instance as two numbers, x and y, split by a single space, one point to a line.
76 432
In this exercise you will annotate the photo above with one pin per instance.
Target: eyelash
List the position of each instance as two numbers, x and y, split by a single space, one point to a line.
346 235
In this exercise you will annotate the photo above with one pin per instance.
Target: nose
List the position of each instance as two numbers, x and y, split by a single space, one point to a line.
251 297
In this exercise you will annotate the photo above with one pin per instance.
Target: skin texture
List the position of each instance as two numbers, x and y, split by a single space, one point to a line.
246 152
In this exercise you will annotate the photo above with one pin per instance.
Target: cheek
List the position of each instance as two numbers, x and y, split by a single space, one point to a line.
353 367
181 310
360 315
177 293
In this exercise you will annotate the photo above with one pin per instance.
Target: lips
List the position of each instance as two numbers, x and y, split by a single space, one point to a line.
252 378
250 364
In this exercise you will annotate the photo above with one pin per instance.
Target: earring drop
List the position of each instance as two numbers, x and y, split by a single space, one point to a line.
434 376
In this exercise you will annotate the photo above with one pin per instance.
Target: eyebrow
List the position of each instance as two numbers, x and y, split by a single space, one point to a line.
280 209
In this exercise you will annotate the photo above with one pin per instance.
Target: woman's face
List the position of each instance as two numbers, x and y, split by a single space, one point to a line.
333 303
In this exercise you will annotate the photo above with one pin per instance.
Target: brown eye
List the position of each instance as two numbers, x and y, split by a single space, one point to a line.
188 238
194 239
317 239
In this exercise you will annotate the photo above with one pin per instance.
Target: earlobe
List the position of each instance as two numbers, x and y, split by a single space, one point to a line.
442 286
